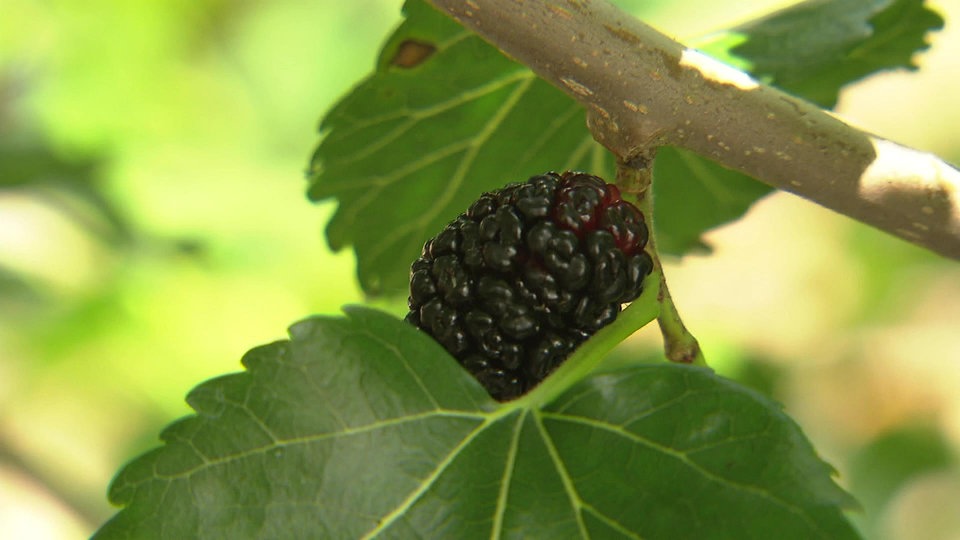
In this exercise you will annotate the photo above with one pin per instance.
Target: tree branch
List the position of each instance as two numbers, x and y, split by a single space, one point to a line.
643 90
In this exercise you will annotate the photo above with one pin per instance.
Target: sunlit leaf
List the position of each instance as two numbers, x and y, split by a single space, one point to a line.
363 427
816 47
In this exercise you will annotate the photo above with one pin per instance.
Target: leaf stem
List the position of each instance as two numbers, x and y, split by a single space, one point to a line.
591 353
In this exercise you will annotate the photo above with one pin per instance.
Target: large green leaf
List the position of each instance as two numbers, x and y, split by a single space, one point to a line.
816 47
363 427
411 147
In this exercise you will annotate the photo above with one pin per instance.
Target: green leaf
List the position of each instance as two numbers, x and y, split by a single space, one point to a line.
364 427
693 194
411 147
814 48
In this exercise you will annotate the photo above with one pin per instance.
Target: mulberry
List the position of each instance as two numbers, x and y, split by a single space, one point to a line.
513 285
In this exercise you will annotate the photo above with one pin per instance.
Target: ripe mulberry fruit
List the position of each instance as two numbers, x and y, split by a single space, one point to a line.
513 285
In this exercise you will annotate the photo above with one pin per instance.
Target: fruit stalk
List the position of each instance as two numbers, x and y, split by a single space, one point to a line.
636 181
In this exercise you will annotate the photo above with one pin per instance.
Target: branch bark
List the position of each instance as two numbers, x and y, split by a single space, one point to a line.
643 90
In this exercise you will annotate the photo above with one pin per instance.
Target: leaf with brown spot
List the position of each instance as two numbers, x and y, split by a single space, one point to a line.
410 149
411 53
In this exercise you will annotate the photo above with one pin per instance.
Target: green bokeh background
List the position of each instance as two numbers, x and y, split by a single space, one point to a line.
153 227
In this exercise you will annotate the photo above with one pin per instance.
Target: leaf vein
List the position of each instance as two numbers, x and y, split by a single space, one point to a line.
505 481
389 518
612 523
378 183
575 501
392 347
296 441
685 459
409 227
432 110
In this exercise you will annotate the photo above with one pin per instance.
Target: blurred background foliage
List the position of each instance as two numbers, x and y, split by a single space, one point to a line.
153 227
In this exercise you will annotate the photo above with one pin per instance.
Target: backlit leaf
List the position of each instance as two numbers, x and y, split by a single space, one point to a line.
815 48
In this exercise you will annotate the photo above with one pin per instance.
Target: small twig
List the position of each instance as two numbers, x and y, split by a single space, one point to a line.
635 177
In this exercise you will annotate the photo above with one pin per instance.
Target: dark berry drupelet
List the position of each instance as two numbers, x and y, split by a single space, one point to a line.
513 285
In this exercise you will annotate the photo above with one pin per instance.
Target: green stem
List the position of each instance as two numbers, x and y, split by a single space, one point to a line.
635 178
588 356
678 343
